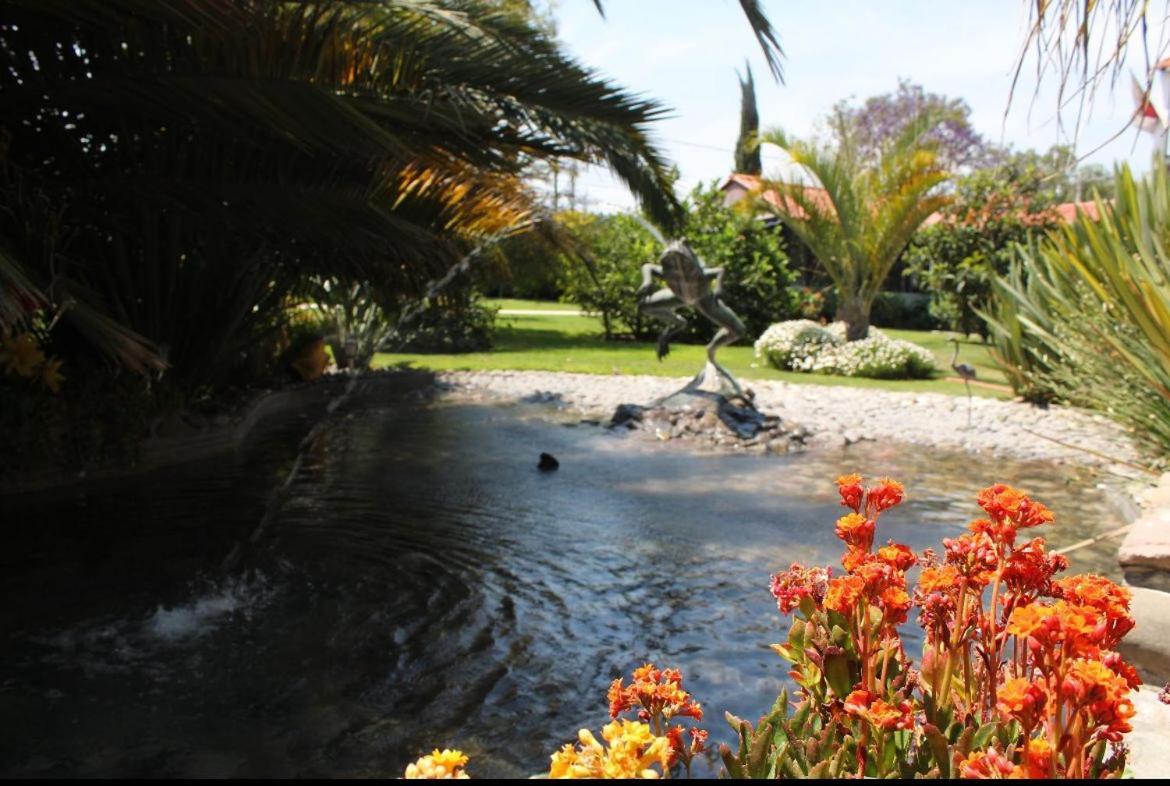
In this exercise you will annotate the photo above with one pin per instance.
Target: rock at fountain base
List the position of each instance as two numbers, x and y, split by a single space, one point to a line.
711 419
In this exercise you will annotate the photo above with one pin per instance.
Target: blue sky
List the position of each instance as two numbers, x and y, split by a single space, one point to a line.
685 54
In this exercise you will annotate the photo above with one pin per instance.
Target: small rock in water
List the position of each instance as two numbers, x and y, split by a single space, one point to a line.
548 463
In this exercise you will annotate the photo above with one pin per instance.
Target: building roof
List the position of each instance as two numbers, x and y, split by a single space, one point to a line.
739 185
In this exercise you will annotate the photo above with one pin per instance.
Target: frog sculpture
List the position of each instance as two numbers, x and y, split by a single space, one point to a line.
689 283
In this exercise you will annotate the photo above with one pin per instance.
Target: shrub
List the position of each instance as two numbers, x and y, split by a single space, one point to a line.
757 284
757 279
994 213
1019 674
616 247
876 357
454 322
1094 308
803 345
794 344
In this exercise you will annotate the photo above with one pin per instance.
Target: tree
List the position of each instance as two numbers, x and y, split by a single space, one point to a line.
747 150
993 214
171 170
881 119
865 210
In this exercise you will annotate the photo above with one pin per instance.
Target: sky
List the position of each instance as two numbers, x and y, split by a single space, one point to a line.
685 54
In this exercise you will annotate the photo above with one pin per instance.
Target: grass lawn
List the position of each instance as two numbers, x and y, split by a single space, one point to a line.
573 343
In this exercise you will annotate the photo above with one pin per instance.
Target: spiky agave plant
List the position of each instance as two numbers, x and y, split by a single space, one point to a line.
1097 304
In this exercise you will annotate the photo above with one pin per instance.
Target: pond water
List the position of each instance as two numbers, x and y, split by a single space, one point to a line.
419 583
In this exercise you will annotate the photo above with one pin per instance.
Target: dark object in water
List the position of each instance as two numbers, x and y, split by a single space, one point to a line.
548 463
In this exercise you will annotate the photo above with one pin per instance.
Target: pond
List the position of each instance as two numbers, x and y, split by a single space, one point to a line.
419 583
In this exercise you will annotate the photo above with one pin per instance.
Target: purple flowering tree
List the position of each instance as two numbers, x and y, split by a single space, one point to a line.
882 118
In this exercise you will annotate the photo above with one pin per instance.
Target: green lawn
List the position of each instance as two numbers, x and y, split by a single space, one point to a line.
530 305
573 343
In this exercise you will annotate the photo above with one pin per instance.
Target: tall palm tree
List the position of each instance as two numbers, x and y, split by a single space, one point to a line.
859 215
191 159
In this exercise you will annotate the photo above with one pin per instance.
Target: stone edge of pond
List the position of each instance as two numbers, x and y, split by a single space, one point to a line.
226 433
1144 557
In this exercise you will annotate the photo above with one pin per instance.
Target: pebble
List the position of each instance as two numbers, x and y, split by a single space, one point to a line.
840 415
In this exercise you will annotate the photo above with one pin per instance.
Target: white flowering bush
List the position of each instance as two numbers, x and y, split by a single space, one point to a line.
794 344
803 345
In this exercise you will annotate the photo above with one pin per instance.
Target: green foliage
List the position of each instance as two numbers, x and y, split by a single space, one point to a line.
100 416
1094 306
614 249
524 266
356 324
747 149
866 211
756 286
455 321
196 160
1016 351
758 281
994 212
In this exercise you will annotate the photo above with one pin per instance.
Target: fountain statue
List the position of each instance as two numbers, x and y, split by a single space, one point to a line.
712 407
688 283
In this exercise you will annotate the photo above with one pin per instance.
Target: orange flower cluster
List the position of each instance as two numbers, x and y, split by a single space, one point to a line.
1043 649
651 693
657 696
884 716
1006 641
791 586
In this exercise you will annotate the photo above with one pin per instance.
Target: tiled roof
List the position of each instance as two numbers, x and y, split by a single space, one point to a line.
1068 210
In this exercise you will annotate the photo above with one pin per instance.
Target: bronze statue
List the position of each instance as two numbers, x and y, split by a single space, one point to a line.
689 283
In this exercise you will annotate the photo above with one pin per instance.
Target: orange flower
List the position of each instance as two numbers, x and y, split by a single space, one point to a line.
1076 629
1118 666
1037 760
885 495
1029 569
679 749
854 558
1003 531
897 555
883 715
941 579
1103 696
850 489
856 530
1004 502
895 603
653 693
1023 700
1101 594
989 764
843 594
974 556
798 582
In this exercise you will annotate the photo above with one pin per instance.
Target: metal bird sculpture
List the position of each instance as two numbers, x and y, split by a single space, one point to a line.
967 372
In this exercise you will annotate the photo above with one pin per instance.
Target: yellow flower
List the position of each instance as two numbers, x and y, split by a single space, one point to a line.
439 765
51 375
632 751
21 354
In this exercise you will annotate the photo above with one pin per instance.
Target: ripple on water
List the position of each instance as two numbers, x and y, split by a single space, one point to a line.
422 584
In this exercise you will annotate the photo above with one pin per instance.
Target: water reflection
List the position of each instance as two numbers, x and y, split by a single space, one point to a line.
422 584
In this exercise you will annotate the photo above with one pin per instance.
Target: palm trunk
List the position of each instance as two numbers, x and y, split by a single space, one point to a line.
854 311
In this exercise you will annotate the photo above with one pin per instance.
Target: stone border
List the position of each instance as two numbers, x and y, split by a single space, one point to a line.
1145 561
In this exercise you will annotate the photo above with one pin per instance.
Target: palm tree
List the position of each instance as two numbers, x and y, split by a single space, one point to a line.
170 168
859 215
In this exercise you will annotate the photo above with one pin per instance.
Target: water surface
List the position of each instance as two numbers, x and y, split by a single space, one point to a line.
419 583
